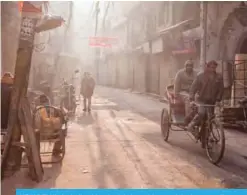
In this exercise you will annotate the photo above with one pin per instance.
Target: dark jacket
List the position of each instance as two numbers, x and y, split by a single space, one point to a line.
87 87
209 88
6 89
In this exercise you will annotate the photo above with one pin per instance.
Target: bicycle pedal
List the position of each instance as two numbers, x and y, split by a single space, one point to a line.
192 137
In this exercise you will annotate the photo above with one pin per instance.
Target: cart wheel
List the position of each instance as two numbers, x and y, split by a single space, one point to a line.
66 129
215 141
60 155
62 137
165 124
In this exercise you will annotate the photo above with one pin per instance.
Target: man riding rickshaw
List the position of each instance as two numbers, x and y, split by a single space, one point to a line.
205 93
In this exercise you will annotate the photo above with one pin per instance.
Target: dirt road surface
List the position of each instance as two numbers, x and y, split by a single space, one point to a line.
119 145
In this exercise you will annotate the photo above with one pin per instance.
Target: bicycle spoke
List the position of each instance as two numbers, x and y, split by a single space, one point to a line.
215 142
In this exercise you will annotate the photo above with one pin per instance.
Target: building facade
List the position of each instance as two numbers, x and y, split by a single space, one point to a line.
157 43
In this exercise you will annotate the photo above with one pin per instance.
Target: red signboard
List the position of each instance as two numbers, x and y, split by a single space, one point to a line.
33 7
105 42
185 51
184 46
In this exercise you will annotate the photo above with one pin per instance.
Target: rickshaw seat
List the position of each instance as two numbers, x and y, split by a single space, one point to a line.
243 101
178 119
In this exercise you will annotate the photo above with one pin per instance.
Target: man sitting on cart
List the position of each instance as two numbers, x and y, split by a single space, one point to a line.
209 87
183 81
49 123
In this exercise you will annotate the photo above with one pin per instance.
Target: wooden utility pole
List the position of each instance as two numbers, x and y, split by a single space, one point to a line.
20 119
57 57
203 24
97 50
20 115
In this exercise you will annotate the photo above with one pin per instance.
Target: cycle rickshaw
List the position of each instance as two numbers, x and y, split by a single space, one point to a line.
173 119
50 136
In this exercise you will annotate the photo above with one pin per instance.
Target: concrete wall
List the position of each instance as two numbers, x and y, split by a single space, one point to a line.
10 29
103 73
217 30
140 72
123 68
43 64
132 73
154 73
165 74
112 71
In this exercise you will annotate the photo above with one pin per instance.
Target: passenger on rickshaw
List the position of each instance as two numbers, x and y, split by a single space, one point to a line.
209 87
49 123
183 81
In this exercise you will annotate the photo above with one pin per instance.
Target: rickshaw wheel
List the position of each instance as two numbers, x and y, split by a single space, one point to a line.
61 153
212 137
62 137
165 124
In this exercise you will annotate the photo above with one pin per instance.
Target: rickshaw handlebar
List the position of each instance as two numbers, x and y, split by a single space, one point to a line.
205 105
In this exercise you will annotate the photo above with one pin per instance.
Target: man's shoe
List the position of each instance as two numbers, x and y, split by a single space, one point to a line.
84 110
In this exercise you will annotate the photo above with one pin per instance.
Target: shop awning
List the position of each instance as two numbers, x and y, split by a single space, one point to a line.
194 33
185 51
143 47
176 26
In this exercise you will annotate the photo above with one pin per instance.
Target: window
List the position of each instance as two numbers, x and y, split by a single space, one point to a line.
161 14
166 14
198 46
154 22
187 14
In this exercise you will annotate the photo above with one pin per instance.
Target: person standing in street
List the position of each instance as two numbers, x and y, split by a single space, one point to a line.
87 89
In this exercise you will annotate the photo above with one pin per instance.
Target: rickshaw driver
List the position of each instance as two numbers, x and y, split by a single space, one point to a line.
183 81
209 87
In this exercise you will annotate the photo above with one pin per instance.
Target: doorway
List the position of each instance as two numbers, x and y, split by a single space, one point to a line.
239 89
243 47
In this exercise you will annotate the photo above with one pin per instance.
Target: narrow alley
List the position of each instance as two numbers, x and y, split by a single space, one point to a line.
119 145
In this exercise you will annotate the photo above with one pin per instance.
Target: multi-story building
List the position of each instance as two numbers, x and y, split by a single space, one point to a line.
227 35
227 42
144 60
114 61
162 40
163 46
58 59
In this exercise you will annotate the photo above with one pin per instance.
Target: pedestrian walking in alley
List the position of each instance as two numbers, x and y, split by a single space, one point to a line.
87 89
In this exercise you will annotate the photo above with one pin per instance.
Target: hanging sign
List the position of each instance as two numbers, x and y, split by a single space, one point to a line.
105 42
30 6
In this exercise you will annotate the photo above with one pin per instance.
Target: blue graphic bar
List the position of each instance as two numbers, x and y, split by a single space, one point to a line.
131 191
